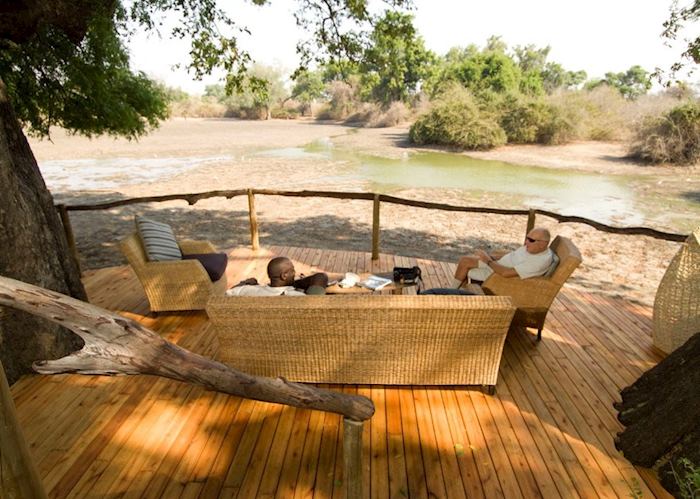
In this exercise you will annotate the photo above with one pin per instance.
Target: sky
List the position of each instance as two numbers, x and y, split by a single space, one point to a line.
594 35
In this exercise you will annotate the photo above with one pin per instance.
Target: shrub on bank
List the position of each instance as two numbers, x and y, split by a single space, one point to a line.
522 120
457 121
673 137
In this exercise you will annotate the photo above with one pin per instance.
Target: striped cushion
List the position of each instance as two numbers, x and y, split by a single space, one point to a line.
158 240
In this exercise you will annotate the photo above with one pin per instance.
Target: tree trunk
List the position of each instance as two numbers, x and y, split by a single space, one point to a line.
661 411
34 250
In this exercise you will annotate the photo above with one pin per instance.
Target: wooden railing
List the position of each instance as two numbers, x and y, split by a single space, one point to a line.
376 199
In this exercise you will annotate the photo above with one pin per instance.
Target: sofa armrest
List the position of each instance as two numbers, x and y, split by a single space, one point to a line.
177 272
189 247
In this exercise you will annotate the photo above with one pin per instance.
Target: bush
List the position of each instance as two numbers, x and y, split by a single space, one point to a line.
197 107
455 120
673 137
396 114
523 121
373 116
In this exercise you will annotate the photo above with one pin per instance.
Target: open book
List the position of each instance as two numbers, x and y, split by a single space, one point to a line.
375 282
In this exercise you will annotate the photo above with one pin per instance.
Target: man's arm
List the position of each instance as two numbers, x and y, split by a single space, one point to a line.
495 266
252 281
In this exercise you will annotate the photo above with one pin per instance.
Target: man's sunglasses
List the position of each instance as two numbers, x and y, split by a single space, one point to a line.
531 240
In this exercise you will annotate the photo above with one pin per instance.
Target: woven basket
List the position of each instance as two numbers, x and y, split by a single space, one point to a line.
677 303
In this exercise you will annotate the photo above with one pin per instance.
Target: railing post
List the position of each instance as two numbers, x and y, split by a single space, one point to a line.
68 229
254 240
19 477
530 221
352 457
375 228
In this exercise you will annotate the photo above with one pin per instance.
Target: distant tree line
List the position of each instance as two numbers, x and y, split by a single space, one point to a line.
469 98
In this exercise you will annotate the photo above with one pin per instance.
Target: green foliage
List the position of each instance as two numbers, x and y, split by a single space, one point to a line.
524 71
60 73
631 83
524 120
396 59
308 87
86 87
677 22
555 77
687 479
456 120
263 91
339 29
673 137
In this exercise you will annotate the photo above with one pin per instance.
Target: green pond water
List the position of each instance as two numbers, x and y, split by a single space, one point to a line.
605 198
612 199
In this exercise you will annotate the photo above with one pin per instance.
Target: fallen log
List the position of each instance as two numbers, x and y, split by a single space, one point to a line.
661 412
117 345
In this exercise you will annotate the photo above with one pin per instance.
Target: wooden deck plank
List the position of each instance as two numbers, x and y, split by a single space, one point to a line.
445 444
379 460
398 481
258 459
236 426
260 423
330 441
468 470
428 445
415 470
548 432
292 458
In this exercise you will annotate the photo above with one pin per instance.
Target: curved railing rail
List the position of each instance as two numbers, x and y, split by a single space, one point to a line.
377 199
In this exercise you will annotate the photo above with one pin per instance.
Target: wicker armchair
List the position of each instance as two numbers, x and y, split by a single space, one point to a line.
173 285
533 296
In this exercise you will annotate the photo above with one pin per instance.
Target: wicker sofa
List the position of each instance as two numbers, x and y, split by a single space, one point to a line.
173 285
364 339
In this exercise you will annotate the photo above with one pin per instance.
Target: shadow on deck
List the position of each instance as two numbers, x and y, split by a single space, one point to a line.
549 430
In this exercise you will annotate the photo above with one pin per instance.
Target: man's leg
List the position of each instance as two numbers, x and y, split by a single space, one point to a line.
466 263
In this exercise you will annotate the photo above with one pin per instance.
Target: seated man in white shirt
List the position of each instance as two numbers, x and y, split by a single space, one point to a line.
281 273
530 260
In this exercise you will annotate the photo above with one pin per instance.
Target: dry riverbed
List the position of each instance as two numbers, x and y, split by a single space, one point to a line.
627 266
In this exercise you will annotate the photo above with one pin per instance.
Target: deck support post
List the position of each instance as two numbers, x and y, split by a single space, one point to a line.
254 239
68 229
352 458
18 475
375 228
530 221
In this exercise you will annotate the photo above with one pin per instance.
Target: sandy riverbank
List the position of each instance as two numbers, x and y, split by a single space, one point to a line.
628 266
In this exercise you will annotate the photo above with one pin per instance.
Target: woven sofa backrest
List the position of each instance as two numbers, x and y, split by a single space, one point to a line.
341 312
569 259
133 250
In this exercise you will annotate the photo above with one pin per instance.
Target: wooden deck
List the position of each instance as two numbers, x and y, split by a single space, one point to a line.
547 432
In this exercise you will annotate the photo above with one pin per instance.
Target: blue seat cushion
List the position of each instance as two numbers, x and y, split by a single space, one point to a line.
213 263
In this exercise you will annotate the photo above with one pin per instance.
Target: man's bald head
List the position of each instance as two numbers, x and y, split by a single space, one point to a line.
281 271
537 240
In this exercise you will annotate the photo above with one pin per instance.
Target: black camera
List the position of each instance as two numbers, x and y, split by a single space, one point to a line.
407 275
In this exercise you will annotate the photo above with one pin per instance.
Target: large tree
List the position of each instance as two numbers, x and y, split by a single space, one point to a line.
396 60
64 63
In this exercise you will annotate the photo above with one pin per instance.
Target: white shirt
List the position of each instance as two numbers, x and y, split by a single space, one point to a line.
264 290
526 264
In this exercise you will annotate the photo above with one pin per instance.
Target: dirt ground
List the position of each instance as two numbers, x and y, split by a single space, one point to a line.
627 266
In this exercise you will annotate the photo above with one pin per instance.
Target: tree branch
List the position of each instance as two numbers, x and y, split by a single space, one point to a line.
117 345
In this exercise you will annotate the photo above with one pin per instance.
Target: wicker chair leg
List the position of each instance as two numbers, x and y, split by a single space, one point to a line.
539 333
